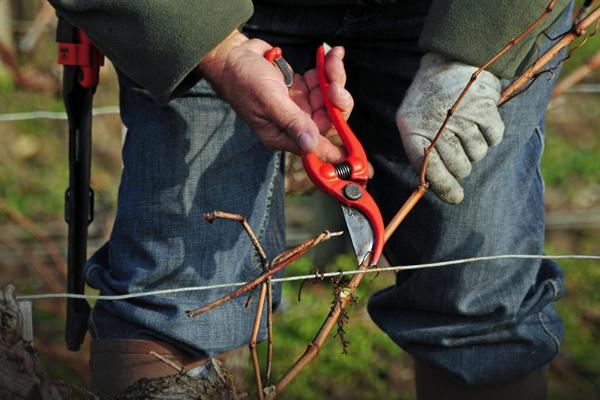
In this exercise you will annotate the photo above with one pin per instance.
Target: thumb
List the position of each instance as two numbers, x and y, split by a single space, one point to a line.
305 133
294 122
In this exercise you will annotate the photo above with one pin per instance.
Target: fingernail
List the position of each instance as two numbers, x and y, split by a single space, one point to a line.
306 142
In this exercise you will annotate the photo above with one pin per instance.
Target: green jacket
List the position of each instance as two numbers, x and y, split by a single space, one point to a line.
159 43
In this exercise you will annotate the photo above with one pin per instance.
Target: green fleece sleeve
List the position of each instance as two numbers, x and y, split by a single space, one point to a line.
156 43
472 31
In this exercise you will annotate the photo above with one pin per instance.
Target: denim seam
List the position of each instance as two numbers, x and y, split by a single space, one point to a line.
555 287
263 224
548 331
88 271
92 326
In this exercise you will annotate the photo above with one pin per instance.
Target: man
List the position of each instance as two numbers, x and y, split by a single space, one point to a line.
479 331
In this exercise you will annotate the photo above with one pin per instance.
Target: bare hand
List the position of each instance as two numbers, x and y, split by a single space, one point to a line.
282 119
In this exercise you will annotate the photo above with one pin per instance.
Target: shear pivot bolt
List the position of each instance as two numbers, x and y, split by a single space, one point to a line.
352 191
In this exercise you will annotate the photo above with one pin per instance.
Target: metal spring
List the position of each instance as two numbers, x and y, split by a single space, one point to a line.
343 170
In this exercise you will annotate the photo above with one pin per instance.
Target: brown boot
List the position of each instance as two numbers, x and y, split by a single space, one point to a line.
434 383
117 364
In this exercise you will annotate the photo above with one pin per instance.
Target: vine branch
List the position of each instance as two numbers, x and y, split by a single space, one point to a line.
280 262
538 65
577 76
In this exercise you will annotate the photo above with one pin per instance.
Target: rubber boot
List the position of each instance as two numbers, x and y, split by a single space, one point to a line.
117 364
434 383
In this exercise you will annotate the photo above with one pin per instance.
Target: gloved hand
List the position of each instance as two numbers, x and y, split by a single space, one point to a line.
475 126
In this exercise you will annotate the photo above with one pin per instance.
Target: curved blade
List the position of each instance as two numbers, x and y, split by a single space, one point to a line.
360 232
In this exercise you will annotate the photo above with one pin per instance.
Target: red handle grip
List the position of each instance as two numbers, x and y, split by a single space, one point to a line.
356 156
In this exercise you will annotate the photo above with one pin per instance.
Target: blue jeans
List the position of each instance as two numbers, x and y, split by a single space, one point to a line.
193 156
486 323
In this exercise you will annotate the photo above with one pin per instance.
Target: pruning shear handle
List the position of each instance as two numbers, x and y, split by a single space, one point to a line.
345 181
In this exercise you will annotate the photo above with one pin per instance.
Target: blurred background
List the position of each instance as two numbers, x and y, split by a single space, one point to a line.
33 178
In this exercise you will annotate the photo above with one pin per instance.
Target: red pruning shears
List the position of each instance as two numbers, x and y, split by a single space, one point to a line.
345 181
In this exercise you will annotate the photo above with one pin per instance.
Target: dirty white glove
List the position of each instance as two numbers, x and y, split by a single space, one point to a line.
475 126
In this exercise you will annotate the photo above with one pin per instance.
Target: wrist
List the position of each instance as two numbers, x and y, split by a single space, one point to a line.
211 66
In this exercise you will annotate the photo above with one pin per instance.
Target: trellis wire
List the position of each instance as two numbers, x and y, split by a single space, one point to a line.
27 116
309 276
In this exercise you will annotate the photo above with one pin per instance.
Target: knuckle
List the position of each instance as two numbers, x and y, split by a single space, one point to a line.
292 127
